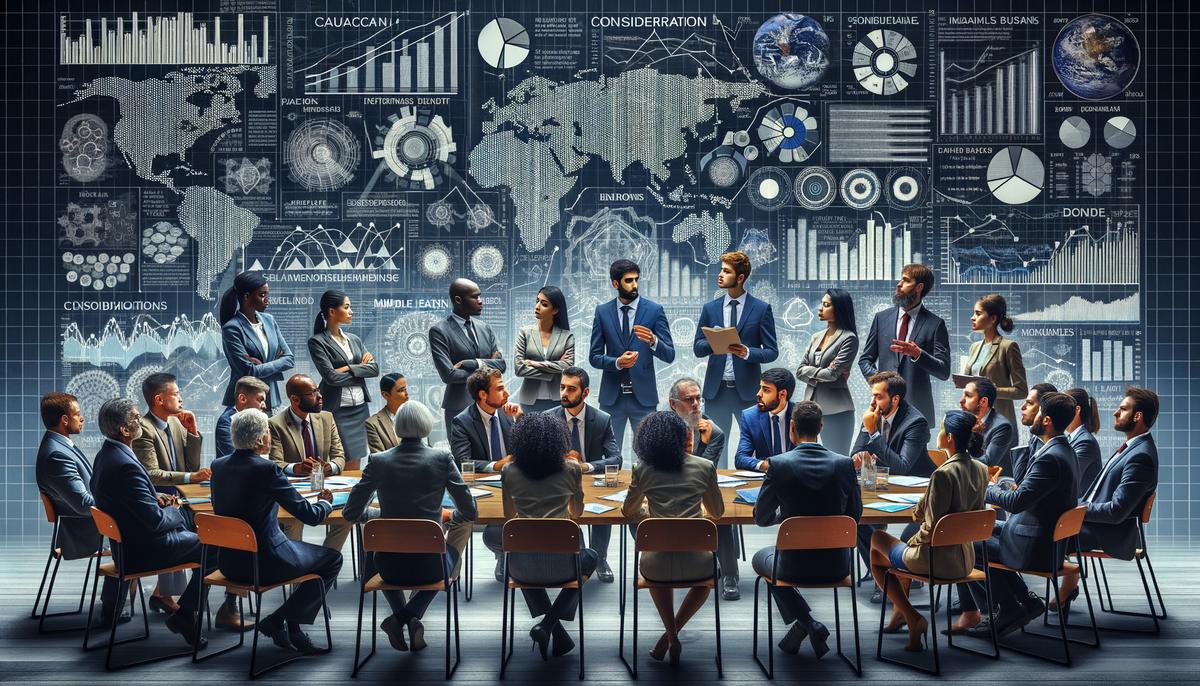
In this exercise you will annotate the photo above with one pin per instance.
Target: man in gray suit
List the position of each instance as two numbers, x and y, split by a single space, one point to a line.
460 344
592 436
998 433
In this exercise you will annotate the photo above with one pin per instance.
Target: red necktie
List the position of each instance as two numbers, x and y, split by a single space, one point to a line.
306 432
904 327
1122 448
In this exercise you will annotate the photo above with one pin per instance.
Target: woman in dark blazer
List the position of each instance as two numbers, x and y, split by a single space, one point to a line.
826 366
1081 434
251 339
996 357
344 365
543 351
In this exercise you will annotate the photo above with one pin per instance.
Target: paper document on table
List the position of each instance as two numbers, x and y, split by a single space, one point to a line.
490 480
731 483
908 481
721 338
888 507
747 474
910 498
747 497
616 497
597 508
337 481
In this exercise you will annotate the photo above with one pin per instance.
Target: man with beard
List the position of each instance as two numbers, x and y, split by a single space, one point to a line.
708 441
1019 457
910 340
998 433
594 443
460 344
628 332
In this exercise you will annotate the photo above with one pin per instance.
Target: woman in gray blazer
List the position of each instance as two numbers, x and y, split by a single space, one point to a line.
344 365
672 483
543 351
826 366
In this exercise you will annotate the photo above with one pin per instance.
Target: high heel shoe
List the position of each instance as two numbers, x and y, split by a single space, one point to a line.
817 637
164 605
659 651
916 635
673 651
541 640
1066 604
895 624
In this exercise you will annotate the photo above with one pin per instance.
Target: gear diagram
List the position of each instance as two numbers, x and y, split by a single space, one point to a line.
414 148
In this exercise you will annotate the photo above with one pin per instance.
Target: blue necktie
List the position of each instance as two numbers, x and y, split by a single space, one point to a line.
495 447
576 444
774 436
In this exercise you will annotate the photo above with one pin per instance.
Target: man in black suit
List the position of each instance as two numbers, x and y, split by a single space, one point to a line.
1025 539
999 434
808 481
154 531
249 486
1019 457
708 441
909 339
460 344
593 438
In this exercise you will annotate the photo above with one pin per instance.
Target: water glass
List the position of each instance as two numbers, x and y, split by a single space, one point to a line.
881 478
611 475
468 470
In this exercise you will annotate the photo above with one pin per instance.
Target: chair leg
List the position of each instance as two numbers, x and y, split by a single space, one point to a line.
358 638
933 633
33 614
1152 615
504 623
717 617
634 655
44 614
770 635
469 568
1153 578
87 627
754 629
582 650
857 645
742 541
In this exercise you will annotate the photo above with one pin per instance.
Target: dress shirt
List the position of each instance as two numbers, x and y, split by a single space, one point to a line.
161 425
633 306
297 422
486 419
260 332
582 433
741 309
351 395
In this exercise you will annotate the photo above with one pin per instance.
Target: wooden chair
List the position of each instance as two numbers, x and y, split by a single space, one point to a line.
954 529
416 536
561 536
671 535
231 533
56 556
107 526
938 457
1066 529
811 533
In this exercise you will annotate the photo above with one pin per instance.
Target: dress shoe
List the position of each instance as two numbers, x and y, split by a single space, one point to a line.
1008 618
604 571
302 642
1066 604
895 625
729 588
416 634
163 605
273 628
562 643
1034 607
876 596
790 643
184 624
228 618
500 570
395 633
106 616
818 634
541 639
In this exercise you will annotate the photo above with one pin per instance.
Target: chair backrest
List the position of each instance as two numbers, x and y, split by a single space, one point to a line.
225 532
403 536
676 535
1069 523
938 457
1145 508
48 506
963 527
541 536
106 525
816 533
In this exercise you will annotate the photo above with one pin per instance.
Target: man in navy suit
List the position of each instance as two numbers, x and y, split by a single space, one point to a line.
250 391
729 381
593 438
1019 456
909 339
628 332
764 427
154 531
999 435
249 486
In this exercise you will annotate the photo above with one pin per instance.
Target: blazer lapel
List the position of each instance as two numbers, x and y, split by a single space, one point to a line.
744 315
995 350
297 438
335 348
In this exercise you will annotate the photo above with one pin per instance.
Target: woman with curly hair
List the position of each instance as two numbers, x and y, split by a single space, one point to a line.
672 483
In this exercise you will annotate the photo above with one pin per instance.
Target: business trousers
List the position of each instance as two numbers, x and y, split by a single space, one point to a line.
792 605
723 410
185 547
302 605
626 409
838 431
418 569
335 534
545 568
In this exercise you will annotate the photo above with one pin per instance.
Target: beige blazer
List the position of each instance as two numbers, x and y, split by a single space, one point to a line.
558 496
1004 366
674 494
154 455
957 486
287 445
381 432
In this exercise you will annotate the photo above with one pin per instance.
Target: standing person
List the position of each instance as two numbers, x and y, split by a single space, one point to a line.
381 426
731 375
910 340
1081 434
826 367
344 365
251 392
251 339
622 330
996 357
543 351
460 344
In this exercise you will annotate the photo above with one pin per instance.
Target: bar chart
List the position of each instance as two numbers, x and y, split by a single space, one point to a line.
162 40
1107 359
677 279
992 97
875 252
418 59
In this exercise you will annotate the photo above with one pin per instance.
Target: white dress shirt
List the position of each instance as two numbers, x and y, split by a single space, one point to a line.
260 332
486 419
741 308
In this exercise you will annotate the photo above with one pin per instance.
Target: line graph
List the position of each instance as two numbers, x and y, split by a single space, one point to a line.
361 248
995 95
145 336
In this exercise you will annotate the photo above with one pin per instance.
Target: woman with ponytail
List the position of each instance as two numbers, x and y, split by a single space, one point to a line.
251 339
956 486
344 365
996 357
1081 435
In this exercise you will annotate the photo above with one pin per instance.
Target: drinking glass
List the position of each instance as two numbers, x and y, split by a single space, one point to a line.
611 475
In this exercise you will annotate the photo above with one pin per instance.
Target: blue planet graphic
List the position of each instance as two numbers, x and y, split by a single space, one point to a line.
791 51
1096 57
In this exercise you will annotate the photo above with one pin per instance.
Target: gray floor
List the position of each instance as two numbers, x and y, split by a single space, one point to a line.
26 656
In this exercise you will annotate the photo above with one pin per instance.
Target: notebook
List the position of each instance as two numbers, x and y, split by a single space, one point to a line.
616 497
909 481
597 508
888 507
748 496
910 498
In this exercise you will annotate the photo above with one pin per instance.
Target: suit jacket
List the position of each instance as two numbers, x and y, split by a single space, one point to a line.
609 343
541 372
381 432
152 450
328 356
930 333
122 489
714 450
905 451
1005 367
809 481
239 341
64 475
754 443
600 447
674 494
252 488
998 437
468 440
1126 483
957 486
755 327
1089 462
1020 457
824 372
448 344
1024 540
223 432
410 480
287 443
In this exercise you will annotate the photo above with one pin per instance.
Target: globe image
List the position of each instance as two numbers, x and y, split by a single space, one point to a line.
1096 57
791 50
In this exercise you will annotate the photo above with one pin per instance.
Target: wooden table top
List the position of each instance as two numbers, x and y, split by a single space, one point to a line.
491 508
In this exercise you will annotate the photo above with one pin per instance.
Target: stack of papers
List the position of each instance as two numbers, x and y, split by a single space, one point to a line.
490 480
909 481
748 474
597 508
888 507
731 483
748 496
341 481
910 498
616 497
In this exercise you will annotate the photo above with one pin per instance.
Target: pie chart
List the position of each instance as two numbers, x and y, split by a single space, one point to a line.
1119 132
1075 132
503 43
789 132
1015 175
884 62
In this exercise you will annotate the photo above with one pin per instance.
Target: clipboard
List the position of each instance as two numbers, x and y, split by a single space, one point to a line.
721 338
961 380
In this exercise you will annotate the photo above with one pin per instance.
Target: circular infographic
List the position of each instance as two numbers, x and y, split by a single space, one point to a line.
435 262
503 43
1075 132
789 132
884 62
1015 175
791 51
1119 132
770 188
724 167
1095 57
815 188
860 189
322 154
905 188
487 261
